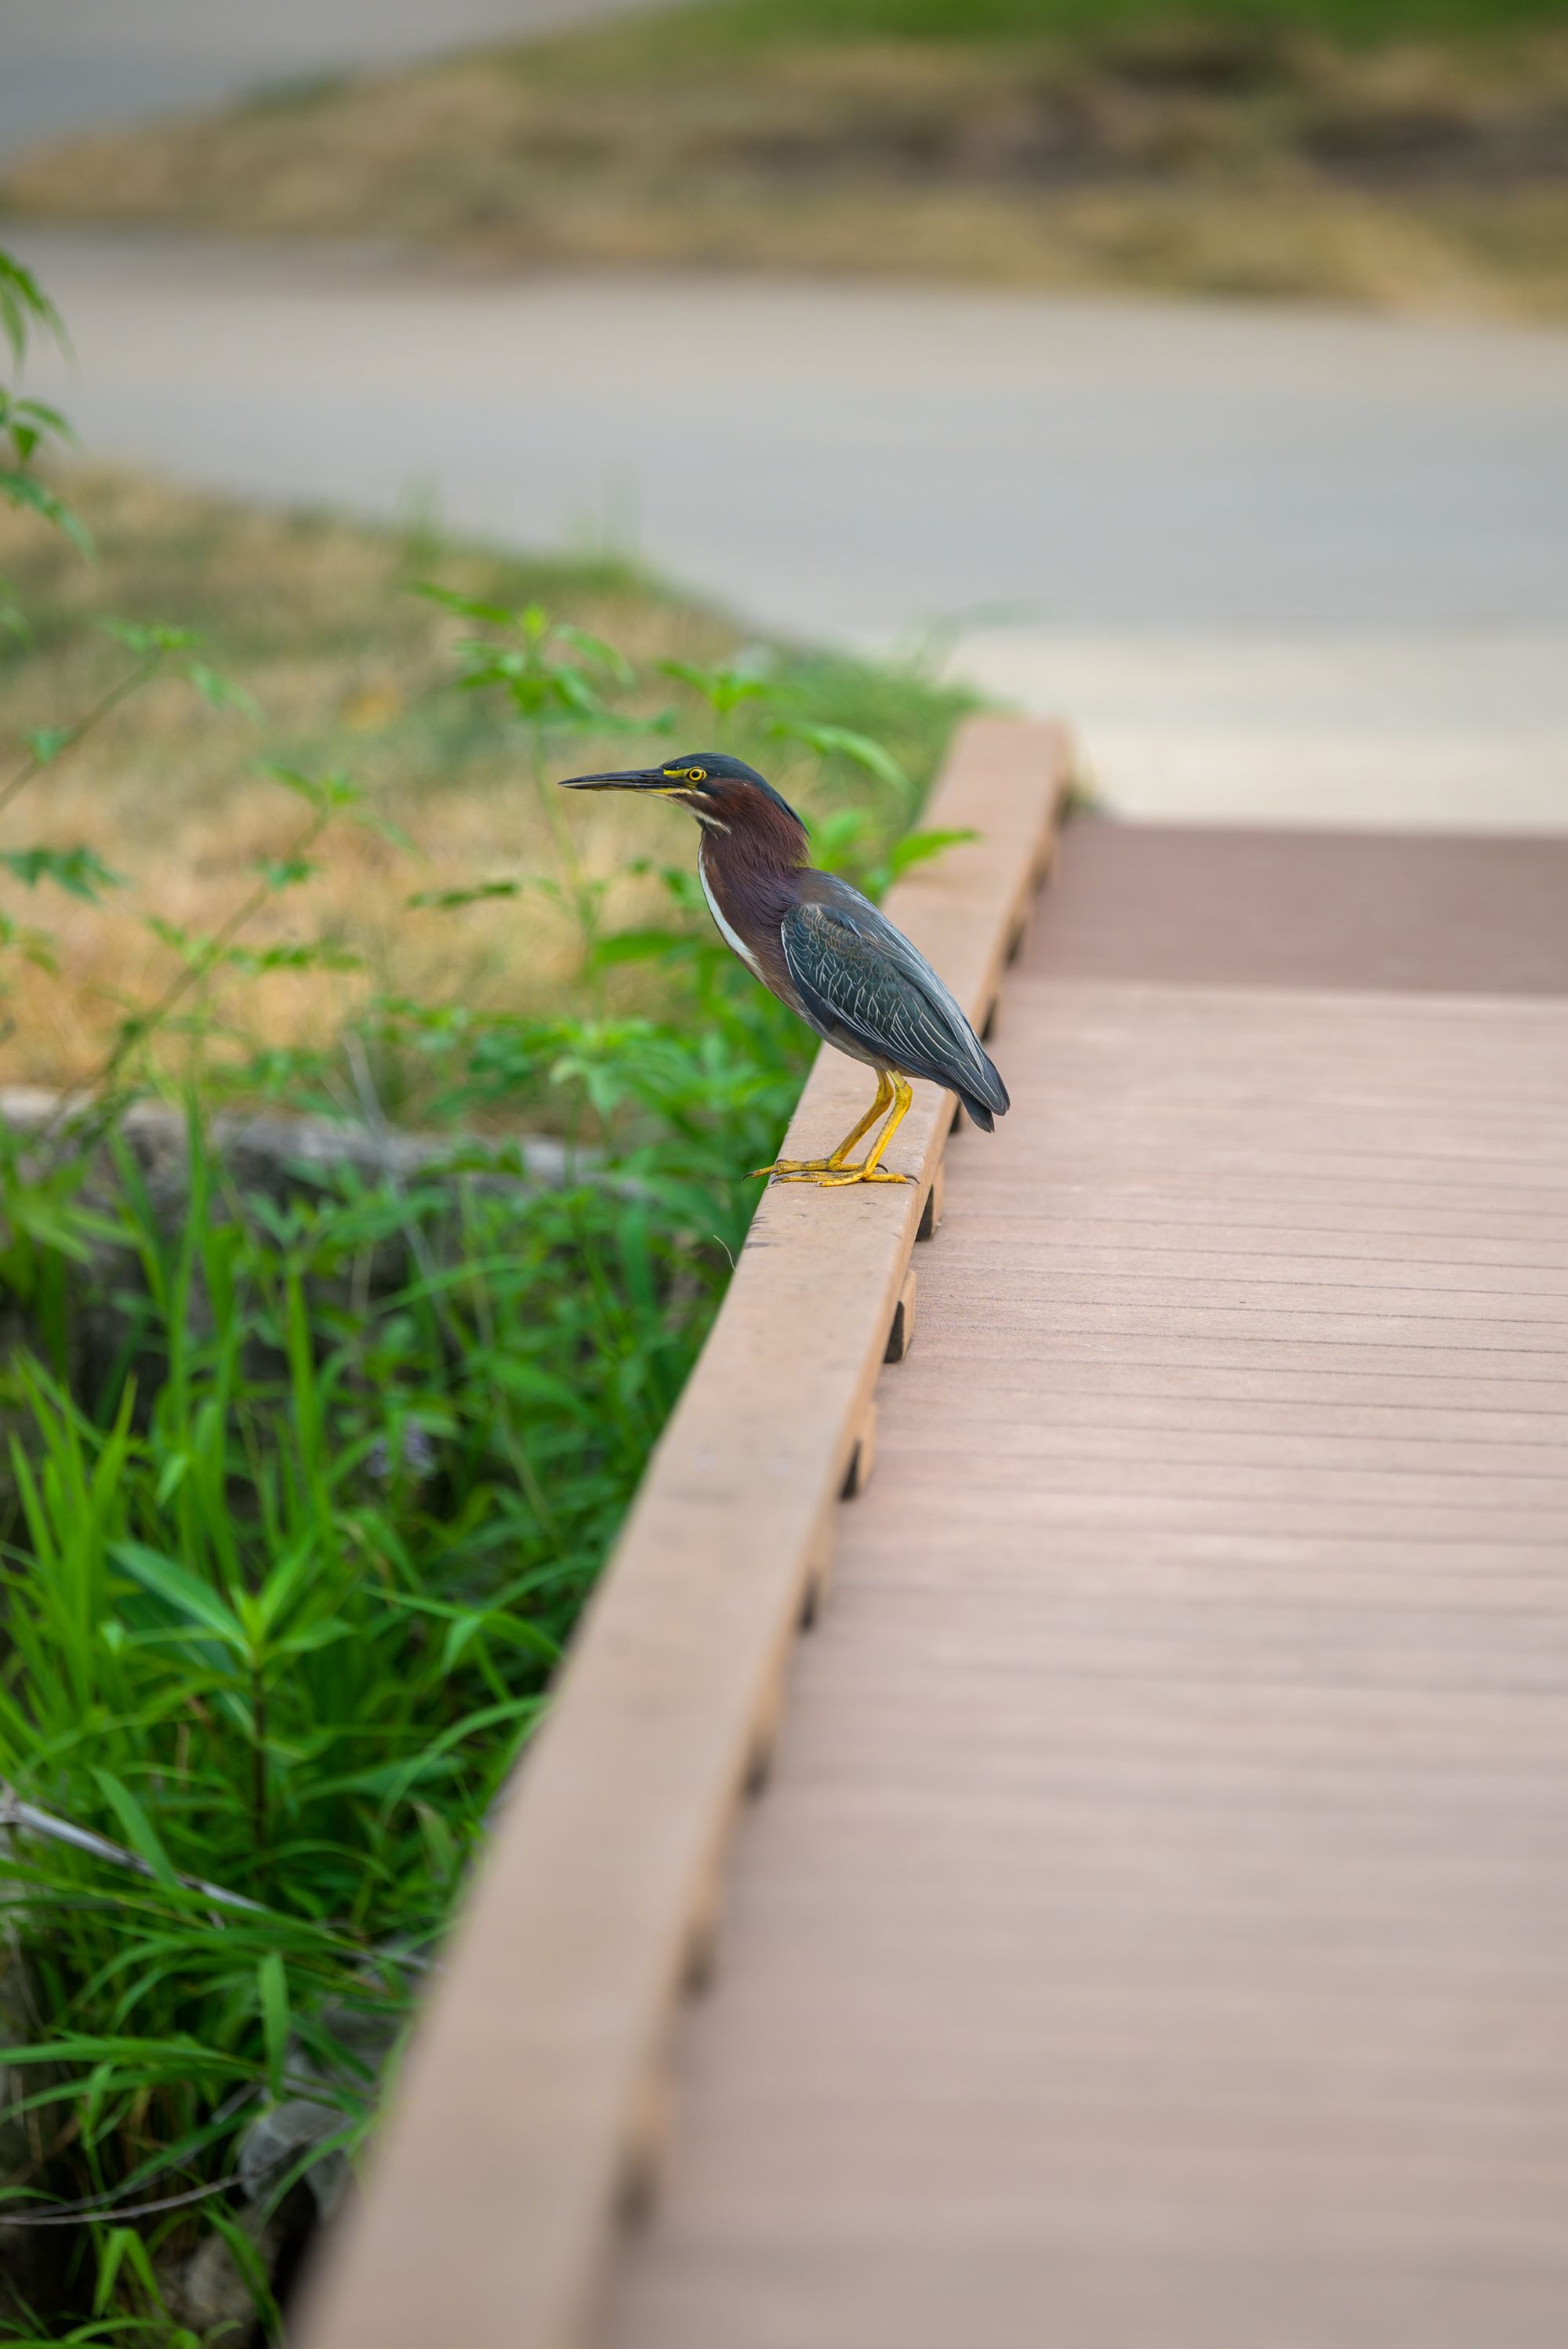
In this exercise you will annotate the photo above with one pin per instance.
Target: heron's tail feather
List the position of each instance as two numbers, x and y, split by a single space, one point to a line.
986 1101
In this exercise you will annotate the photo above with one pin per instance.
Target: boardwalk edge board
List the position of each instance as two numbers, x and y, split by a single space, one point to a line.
530 2112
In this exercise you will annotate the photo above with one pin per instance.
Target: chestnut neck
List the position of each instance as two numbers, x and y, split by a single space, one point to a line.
753 867
754 843
757 832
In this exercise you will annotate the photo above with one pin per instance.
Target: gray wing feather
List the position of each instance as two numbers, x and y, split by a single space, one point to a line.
855 972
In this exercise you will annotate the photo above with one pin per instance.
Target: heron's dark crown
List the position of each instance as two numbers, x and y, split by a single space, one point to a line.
709 770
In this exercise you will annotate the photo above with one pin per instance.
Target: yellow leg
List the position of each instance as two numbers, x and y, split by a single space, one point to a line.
887 1091
834 1172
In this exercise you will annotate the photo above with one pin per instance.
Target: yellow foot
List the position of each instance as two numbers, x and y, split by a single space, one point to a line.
793 1166
833 1178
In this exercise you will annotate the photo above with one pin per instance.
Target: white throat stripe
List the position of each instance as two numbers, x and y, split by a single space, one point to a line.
735 943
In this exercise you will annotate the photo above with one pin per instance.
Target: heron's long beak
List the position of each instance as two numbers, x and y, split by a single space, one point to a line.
627 778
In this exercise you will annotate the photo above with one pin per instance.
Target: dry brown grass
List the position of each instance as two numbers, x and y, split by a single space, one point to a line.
314 616
1416 173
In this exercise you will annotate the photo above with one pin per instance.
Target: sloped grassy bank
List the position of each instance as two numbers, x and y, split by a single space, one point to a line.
1404 152
306 1482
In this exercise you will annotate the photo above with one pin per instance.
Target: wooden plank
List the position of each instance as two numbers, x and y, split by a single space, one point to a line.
1156 1930
530 2102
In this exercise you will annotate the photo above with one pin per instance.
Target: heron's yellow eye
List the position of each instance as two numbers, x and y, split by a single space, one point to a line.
686 774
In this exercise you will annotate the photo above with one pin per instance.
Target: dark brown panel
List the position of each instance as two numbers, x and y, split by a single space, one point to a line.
1210 906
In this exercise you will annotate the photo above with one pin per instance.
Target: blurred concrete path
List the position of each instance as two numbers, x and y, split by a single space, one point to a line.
1454 727
1278 563
72 64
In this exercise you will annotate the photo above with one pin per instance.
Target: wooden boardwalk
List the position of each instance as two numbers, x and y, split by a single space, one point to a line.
1156 1934
1153 1930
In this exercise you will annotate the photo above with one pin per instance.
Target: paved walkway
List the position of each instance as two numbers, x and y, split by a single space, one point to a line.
1155 1929
1285 565
1456 726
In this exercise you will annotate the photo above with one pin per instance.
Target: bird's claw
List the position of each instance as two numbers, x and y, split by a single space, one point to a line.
787 1166
835 1177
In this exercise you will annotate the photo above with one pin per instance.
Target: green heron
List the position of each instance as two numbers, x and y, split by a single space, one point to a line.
824 950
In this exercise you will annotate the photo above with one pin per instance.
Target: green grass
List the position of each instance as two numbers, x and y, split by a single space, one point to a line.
281 1597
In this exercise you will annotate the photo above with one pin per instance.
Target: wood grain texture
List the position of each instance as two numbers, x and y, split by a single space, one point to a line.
1155 1932
529 2103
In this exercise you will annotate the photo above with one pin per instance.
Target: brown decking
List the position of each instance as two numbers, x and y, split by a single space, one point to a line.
1154 1934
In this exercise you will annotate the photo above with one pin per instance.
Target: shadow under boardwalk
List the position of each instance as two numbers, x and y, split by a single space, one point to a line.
1154 1934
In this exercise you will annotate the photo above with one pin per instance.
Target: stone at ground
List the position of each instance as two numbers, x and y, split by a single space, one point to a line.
209 2292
